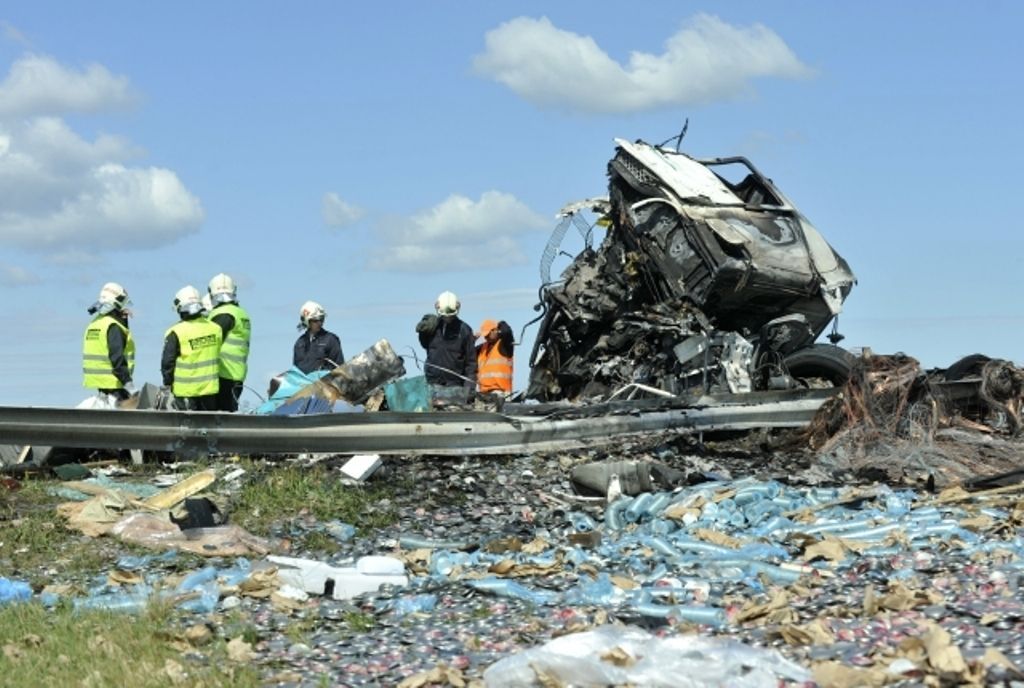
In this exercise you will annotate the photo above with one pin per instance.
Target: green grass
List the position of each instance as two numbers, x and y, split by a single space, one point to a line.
276 493
361 622
33 537
62 647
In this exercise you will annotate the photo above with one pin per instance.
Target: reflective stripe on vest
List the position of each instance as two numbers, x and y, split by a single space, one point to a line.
494 371
97 370
195 371
234 352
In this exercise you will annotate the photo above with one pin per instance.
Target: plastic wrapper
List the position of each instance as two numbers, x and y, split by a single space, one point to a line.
622 655
150 530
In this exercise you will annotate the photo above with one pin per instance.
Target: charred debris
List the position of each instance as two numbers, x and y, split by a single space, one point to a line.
699 285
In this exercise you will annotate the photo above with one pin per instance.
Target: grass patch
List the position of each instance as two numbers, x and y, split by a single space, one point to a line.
361 622
95 648
318 541
33 537
277 493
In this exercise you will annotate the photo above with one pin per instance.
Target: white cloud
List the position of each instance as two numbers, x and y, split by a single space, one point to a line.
707 60
112 207
17 276
458 233
65 195
338 213
38 84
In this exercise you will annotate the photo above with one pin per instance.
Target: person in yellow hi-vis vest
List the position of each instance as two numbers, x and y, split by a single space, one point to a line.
237 330
189 364
108 350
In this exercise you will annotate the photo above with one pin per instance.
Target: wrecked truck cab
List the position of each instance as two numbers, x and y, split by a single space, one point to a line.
700 283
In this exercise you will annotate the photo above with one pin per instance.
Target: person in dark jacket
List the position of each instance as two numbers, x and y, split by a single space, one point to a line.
450 345
316 348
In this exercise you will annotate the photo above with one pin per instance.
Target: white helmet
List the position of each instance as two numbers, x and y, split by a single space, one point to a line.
187 301
112 297
114 294
311 310
222 289
447 304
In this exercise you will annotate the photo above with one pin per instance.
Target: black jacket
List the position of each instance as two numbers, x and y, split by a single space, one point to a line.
450 345
116 342
319 352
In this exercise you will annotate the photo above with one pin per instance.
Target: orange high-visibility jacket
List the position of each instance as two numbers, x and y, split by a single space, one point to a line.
494 371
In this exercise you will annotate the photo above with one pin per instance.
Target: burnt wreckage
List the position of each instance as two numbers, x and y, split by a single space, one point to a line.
700 285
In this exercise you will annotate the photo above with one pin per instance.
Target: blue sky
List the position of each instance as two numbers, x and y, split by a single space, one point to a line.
371 157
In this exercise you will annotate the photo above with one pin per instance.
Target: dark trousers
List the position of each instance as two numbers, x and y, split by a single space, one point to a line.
203 403
227 397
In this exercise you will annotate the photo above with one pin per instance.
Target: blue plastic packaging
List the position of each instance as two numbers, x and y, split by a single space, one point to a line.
638 507
205 592
581 522
237 573
410 604
340 531
126 602
503 587
14 591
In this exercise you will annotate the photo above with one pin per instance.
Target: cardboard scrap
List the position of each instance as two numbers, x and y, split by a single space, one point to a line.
943 655
502 567
995 658
536 546
121 577
618 657
838 675
181 491
829 548
239 650
441 675
624 583
261 583
717 537
500 545
96 516
814 633
775 610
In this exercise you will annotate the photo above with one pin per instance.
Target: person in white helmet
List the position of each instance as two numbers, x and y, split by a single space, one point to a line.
189 364
237 330
316 348
450 345
108 350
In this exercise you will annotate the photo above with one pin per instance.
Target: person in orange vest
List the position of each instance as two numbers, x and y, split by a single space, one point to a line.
494 357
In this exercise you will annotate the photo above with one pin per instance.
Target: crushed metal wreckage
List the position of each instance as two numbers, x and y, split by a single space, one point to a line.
699 283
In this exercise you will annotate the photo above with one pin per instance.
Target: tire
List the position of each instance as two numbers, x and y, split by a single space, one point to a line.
824 362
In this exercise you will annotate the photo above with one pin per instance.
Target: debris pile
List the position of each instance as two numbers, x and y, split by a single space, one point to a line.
894 422
863 584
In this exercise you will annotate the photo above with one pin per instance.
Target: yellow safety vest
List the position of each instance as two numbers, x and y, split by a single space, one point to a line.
493 371
234 352
195 371
96 367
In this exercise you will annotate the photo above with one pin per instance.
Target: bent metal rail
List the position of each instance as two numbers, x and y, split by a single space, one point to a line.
521 428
